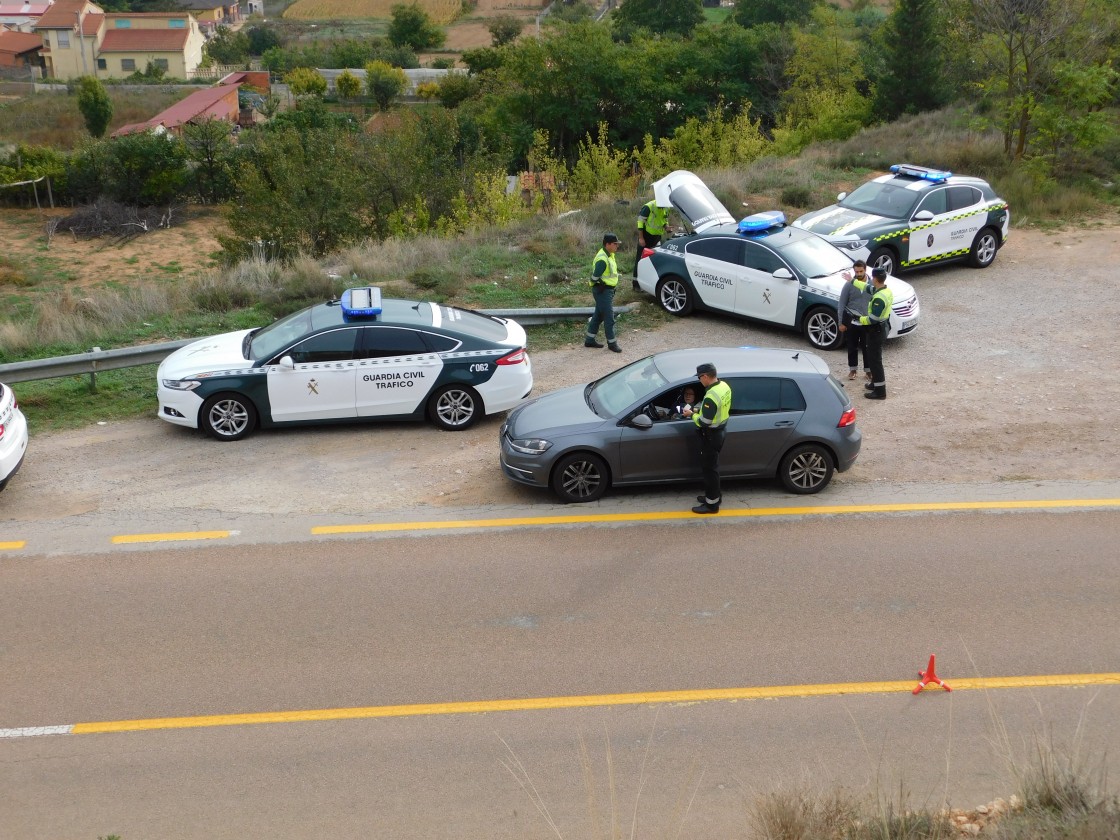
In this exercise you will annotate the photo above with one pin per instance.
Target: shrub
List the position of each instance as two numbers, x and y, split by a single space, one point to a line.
95 105
303 81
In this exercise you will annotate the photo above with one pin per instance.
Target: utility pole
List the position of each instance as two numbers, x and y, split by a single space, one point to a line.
81 40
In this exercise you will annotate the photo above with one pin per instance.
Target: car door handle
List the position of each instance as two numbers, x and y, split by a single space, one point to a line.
778 423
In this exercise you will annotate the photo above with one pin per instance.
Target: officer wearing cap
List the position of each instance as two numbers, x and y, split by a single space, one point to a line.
604 279
711 423
877 323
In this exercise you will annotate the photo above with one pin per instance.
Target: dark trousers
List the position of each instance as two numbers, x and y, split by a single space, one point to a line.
604 311
711 442
874 357
652 241
855 338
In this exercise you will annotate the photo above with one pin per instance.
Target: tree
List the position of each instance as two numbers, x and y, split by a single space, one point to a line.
662 17
228 47
95 105
262 38
147 168
348 85
411 27
914 59
384 83
211 153
303 81
504 29
755 12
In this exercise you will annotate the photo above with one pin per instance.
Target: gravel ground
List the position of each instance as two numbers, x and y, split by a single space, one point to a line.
1011 377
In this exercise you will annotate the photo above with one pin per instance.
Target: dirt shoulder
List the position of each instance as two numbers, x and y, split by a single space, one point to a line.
1010 377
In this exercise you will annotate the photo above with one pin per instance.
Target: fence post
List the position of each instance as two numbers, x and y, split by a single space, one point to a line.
93 371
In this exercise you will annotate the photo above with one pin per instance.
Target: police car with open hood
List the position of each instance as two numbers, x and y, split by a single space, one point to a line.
355 359
915 217
758 268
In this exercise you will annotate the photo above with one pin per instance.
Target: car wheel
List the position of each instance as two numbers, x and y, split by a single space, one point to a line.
806 469
674 295
580 477
882 258
228 416
822 329
984 249
454 408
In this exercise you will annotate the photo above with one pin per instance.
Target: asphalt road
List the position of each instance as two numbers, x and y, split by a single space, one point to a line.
547 612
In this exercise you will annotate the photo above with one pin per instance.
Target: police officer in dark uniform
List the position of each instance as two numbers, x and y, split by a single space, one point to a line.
711 423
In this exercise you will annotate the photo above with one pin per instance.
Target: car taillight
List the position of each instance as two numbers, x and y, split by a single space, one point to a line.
646 252
514 358
1 431
847 418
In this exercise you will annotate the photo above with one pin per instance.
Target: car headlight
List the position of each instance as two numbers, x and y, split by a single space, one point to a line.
850 244
530 446
181 384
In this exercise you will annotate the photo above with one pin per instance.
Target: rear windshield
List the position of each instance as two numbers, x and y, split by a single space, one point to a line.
472 323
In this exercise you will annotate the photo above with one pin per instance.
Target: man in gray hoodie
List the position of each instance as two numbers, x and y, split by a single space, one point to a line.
852 303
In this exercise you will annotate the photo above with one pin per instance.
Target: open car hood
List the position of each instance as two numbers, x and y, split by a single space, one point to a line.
689 196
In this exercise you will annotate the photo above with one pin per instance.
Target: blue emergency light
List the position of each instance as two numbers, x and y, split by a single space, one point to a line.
760 222
361 303
936 176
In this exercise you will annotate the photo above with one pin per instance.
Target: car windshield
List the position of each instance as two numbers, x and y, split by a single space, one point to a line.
883 199
267 341
615 392
814 257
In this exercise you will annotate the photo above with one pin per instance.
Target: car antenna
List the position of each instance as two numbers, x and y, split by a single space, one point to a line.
797 355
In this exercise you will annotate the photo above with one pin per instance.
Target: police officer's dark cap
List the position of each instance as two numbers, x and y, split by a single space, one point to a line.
879 273
706 368
608 238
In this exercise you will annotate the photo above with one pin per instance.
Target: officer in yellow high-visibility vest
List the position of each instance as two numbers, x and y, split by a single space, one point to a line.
877 323
711 422
652 222
604 280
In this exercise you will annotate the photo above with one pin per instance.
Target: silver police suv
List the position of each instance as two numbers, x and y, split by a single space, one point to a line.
789 418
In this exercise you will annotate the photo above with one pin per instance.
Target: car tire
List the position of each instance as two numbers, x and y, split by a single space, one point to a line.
882 258
806 469
675 296
984 248
228 416
580 477
454 408
822 328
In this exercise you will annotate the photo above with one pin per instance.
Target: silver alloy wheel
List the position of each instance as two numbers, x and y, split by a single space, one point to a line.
822 330
881 258
674 297
984 250
581 480
228 417
455 408
808 469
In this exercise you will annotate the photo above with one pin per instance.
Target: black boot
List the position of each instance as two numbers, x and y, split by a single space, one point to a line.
613 347
704 507
590 342
878 393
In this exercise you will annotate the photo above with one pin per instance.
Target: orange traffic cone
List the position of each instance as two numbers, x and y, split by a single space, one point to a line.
929 675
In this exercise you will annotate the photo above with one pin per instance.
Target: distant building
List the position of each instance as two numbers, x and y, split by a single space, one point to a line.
80 39
212 13
22 15
216 103
19 49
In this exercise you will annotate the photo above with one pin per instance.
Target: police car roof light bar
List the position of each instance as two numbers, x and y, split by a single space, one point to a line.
361 302
937 176
760 222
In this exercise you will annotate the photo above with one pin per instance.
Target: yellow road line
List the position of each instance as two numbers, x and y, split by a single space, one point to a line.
727 513
171 536
578 702
12 545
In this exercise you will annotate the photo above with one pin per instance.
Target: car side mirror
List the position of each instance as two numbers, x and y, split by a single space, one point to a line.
841 196
641 421
923 216
287 363
783 274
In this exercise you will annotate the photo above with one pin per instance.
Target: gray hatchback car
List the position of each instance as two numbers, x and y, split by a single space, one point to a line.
789 418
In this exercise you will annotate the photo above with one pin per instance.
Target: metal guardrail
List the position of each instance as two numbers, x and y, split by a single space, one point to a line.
96 359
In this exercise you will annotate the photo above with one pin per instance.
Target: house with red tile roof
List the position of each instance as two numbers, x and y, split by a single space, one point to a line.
21 15
216 103
19 49
80 39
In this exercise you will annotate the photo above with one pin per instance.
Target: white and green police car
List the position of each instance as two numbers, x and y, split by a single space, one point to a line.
915 217
359 358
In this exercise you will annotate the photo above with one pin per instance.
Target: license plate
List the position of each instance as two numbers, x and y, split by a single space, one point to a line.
908 324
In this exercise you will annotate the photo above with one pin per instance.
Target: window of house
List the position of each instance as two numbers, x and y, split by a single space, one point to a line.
63 39
176 23
128 64
161 63
122 24
102 64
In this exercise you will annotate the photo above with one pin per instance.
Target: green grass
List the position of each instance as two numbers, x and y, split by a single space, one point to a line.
59 404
